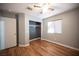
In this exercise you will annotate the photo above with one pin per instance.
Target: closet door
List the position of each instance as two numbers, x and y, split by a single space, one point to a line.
9 32
34 29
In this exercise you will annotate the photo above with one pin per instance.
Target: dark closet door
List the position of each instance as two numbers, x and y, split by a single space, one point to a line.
34 29
38 30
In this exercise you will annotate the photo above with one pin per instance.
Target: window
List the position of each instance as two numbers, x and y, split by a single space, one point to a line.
55 26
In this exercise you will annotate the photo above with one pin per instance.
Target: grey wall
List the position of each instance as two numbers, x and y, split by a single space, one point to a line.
23 29
21 19
70 29
33 18
7 14
26 29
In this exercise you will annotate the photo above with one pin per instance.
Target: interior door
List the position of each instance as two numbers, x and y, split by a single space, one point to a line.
9 32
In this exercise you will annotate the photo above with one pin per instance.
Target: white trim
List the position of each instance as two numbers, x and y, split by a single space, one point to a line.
62 44
35 39
20 45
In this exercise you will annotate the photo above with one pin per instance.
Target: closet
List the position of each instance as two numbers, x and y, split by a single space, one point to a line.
34 29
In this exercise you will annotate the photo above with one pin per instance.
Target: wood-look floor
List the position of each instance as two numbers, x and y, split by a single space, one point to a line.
40 48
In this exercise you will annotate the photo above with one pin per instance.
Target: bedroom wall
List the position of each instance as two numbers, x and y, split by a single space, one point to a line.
70 29
7 14
23 29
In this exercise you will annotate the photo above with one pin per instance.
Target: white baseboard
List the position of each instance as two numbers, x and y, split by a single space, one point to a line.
62 45
20 45
35 39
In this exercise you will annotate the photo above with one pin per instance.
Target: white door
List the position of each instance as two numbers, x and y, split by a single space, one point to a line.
2 40
9 32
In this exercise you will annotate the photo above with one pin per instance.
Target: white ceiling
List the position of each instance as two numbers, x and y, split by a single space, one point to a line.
21 8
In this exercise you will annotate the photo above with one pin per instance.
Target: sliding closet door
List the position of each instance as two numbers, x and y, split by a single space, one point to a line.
34 29
9 32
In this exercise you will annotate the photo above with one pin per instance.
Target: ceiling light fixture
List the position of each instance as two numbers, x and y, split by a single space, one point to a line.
43 7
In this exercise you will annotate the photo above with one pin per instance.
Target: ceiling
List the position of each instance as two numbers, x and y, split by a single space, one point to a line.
22 8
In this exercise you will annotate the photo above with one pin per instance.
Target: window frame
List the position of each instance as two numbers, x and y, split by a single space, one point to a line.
55 27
